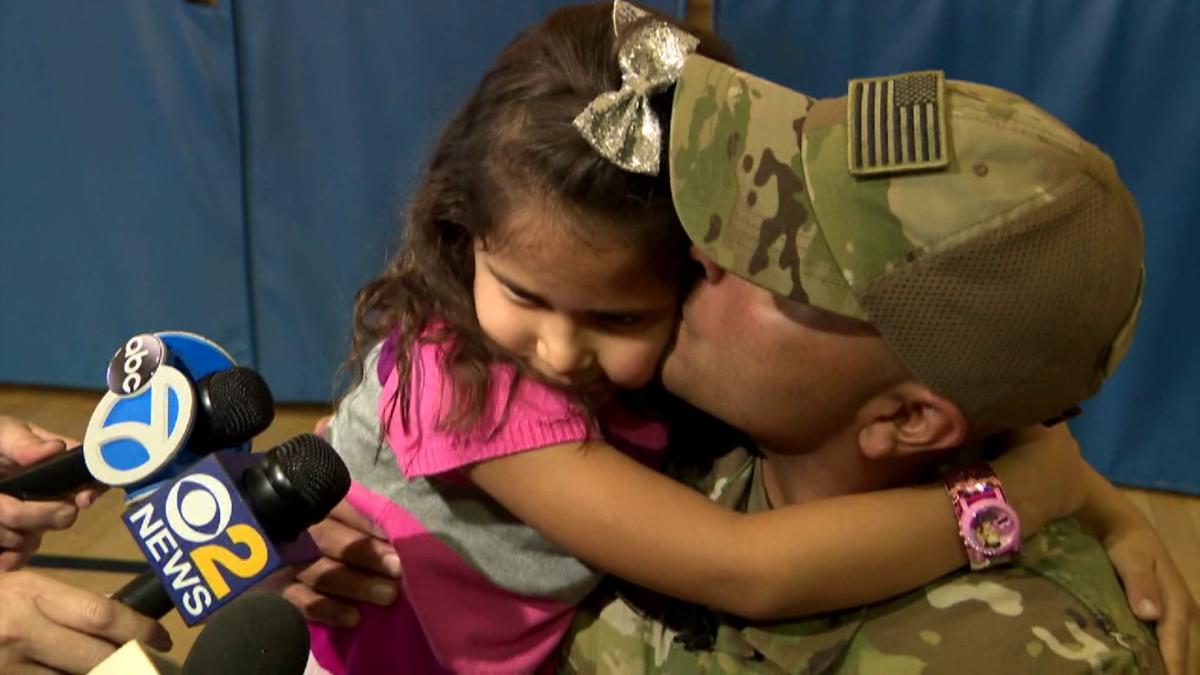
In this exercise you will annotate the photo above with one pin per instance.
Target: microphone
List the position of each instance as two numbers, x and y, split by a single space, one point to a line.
232 406
204 534
257 633
139 435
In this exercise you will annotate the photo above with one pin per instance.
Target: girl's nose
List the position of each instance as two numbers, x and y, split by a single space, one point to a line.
563 351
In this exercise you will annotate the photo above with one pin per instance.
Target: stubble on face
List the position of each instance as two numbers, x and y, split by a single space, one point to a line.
791 376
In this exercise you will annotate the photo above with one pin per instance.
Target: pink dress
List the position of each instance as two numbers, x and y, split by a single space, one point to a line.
482 591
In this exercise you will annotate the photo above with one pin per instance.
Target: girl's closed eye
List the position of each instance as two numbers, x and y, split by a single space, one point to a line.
521 296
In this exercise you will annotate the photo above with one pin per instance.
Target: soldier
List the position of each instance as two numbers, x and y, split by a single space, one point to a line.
890 276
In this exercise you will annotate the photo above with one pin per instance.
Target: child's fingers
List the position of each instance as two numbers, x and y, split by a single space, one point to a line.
319 608
355 548
349 516
1179 628
336 580
1133 556
1141 588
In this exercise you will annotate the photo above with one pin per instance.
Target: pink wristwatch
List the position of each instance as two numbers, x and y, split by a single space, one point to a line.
990 528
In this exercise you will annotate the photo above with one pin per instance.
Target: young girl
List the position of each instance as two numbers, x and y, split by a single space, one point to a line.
524 319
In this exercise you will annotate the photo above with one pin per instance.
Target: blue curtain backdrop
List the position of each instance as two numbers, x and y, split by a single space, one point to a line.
236 169
231 169
1123 74
120 183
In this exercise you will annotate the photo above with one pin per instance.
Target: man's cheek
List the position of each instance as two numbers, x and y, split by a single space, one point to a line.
639 368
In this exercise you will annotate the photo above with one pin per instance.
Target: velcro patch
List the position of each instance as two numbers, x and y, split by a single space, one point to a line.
897 124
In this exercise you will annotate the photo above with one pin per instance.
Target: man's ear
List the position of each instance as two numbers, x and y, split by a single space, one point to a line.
908 419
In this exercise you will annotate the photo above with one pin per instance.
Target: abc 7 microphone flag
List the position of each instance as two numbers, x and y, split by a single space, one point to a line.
138 434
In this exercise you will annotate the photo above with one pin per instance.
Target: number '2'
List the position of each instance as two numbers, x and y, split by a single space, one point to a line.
209 556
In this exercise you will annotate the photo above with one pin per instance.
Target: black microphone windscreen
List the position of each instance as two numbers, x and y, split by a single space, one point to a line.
315 472
240 405
258 633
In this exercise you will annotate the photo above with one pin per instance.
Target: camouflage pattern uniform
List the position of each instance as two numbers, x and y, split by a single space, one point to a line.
1000 257
1058 610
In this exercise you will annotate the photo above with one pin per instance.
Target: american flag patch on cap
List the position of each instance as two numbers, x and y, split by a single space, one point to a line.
897 123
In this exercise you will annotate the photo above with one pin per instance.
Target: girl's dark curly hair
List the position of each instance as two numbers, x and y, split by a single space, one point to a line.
513 140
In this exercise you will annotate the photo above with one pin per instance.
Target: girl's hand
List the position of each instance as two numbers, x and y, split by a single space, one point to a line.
358 565
1043 474
1156 591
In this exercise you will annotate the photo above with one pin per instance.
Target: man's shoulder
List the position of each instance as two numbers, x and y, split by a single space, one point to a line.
1060 611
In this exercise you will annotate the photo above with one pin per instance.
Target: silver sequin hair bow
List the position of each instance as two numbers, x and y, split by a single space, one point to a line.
620 124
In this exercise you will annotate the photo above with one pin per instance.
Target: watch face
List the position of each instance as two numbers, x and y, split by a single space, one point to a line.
991 527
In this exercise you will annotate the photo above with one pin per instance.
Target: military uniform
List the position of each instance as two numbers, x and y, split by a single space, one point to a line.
1058 610
965 225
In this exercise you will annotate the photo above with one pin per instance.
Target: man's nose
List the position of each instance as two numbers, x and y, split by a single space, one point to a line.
563 347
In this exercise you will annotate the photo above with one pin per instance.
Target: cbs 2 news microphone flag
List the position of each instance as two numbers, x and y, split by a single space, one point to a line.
211 519
229 522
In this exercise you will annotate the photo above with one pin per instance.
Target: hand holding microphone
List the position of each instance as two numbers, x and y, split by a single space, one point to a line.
228 523
257 633
22 523
71 630
149 429
231 407
227 407
45 623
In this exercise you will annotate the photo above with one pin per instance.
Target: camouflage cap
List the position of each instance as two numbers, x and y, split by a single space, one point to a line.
997 253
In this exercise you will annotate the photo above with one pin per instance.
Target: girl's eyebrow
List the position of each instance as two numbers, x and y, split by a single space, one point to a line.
521 290
512 285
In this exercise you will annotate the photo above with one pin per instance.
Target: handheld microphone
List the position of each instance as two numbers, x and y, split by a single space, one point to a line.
231 407
204 534
139 435
258 633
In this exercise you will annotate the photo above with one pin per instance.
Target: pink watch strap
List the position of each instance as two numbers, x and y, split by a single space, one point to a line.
989 526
